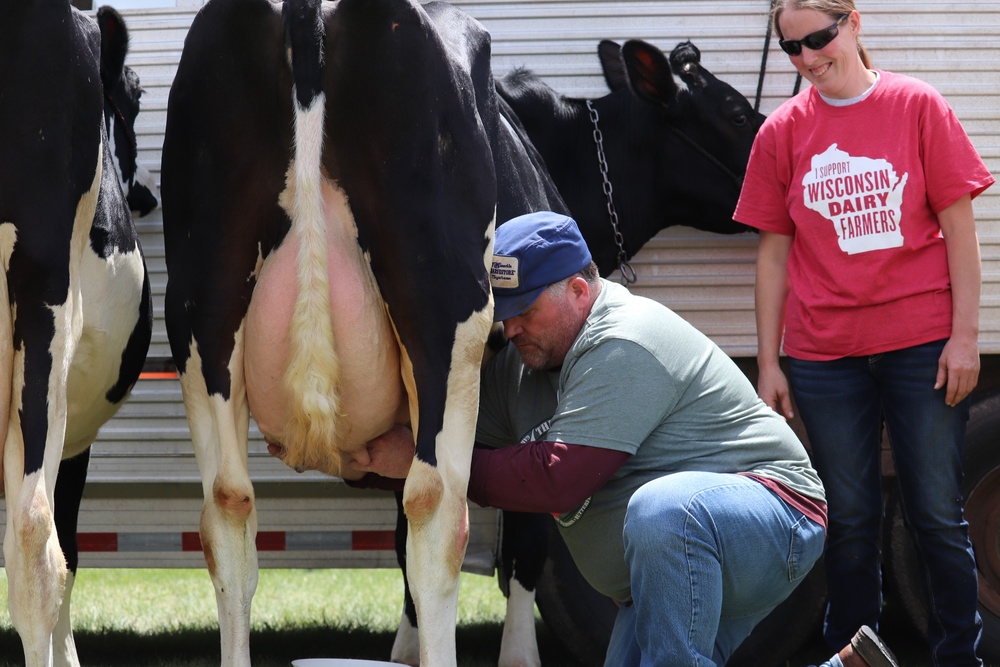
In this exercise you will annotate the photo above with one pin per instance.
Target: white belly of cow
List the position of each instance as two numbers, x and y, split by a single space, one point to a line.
371 394
111 291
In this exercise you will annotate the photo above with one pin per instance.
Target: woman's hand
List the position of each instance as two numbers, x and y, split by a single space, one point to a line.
958 369
772 387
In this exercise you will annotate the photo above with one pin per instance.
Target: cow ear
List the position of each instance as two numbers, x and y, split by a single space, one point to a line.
685 61
610 54
114 46
649 73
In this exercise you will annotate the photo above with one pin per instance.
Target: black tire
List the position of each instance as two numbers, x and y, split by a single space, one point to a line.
788 627
981 489
581 618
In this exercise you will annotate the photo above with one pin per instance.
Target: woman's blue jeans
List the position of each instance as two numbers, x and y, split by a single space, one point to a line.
710 555
844 404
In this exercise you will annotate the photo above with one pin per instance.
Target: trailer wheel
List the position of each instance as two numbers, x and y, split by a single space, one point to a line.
581 618
981 488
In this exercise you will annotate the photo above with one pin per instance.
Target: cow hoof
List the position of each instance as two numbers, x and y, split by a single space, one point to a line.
527 659
406 646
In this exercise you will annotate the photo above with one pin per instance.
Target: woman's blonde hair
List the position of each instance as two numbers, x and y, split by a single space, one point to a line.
833 8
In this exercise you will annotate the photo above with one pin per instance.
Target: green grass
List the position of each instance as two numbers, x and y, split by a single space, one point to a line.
167 618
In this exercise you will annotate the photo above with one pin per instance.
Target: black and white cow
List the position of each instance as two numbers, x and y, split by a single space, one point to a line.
75 309
122 93
331 178
676 141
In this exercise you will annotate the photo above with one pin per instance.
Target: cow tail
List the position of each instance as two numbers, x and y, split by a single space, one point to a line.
314 369
6 352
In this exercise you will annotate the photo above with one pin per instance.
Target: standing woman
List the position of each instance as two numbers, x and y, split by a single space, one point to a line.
868 267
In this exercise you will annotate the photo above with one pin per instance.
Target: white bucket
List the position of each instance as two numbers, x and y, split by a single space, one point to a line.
340 662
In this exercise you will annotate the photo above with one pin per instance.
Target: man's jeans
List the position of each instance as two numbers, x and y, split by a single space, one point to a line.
843 404
710 555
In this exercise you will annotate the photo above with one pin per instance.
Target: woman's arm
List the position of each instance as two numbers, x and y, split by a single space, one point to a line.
770 291
958 367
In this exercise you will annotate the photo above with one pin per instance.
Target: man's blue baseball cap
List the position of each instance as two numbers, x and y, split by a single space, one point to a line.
530 252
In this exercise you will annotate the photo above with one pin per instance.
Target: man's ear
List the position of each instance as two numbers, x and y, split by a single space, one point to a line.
579 288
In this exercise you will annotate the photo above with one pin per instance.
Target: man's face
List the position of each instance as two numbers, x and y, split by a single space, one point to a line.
545 331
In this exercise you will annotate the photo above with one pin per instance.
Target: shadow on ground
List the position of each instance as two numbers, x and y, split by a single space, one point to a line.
478 646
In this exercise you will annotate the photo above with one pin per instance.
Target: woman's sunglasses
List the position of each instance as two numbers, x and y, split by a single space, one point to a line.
814 40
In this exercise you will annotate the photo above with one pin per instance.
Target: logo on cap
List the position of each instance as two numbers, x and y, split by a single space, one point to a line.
504 272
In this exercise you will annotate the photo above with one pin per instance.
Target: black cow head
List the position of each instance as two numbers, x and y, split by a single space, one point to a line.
121 106
707 110
708 126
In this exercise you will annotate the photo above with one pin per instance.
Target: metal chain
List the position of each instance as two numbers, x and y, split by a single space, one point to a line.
628 273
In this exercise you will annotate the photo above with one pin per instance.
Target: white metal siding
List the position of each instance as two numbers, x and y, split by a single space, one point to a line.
708 279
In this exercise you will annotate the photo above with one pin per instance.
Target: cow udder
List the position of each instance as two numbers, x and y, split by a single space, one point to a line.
370 390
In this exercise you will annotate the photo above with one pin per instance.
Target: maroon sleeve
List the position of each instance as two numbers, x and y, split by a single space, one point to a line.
541 476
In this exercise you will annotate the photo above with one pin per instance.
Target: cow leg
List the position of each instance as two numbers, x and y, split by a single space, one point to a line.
36 568
68 495
434 496
406 646
523 550
519 647
435 547
228 537
219 432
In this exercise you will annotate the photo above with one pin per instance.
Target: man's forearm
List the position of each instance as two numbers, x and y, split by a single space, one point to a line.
549 477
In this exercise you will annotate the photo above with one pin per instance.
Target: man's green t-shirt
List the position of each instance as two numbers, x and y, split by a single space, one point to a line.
639 379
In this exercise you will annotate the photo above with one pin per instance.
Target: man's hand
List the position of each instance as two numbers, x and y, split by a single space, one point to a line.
389 455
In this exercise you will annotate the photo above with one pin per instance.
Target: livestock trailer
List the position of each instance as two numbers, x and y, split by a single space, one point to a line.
142 503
